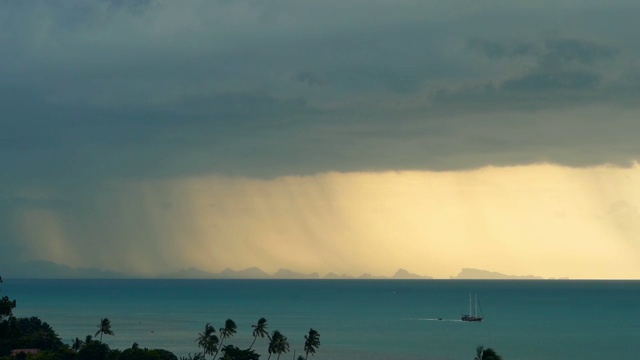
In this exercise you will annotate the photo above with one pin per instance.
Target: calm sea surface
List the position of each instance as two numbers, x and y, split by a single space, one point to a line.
357 319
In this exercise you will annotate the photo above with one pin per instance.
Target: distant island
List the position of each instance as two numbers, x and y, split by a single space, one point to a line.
257 273
48 270
478 274
40 269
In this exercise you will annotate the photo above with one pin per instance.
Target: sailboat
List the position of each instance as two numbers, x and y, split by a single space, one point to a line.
473 311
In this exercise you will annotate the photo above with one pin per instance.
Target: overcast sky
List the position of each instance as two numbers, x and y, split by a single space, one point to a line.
149 136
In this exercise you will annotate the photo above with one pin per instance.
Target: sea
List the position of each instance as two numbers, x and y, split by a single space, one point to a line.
356 319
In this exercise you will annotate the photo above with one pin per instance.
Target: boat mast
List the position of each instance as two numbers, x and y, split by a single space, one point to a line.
470 309
476 308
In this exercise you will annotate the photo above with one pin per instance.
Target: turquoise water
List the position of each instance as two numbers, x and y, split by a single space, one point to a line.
357 319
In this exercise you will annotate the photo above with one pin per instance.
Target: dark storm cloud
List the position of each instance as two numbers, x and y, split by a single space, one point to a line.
572 50
309 78
565 65
554 73
69 144
93 90
496 49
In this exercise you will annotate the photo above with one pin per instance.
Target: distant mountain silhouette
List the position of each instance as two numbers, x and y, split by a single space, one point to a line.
190 273
49 270
288 274
478 274
369 276
195 273
333 275
404 274
40 269
249 273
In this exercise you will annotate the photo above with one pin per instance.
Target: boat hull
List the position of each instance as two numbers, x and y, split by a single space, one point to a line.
471 318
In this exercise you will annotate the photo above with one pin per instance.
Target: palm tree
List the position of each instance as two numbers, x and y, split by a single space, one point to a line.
104 328
227 331
311 342
76 344
208 341
259 329
278 344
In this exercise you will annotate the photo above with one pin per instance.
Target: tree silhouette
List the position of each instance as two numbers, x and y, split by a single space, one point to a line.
311 342
233 353
259 329
226 332
104 328
486 354
208 341
94 350
278 344
6 306
76 344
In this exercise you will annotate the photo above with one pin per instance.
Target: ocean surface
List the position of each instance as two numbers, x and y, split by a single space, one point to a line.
356 319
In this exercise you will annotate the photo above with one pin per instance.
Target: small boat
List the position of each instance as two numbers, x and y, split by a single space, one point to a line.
473 311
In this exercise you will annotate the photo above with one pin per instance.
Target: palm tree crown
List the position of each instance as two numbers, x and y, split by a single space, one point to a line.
311 342
278 344
208 341
259 329
104 328
227 331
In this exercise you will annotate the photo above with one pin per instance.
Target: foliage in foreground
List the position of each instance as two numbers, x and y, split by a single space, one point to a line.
483 353
27 333
32 333
233 353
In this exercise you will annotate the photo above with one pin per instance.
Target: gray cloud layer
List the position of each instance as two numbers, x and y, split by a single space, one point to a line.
95 89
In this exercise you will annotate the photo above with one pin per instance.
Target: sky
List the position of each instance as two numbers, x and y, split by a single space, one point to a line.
322 136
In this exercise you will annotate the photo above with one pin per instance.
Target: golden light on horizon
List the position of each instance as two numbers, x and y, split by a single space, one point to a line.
544 220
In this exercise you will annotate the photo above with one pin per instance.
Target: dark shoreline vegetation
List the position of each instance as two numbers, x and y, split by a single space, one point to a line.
32 338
